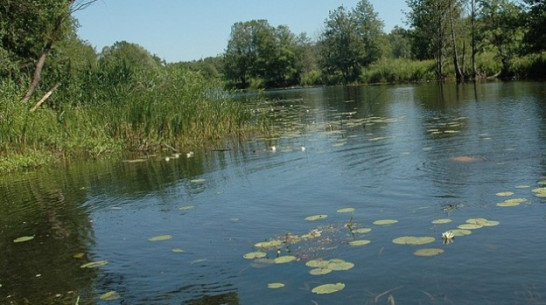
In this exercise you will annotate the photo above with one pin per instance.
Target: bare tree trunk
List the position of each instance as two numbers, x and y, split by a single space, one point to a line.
473 38
45 97
37 73
458 72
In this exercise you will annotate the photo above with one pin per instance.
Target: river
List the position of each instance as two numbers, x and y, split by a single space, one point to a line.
372 164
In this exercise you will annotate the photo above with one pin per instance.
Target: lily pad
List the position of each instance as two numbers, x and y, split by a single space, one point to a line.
317 263
328 288
316 217
383 222
469 226
186 207
23 239
362 230
275 285
284 259
94 264
337 264
160 238
441 221
511 202
268 244
346 210
359 242
253 255
413 240
483 222
177 250
504 194
109 296
428 252
320 271
460 232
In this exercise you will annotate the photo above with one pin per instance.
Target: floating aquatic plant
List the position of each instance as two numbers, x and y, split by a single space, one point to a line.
177 250
441 221
511 202
109 296
460 232
469 226
94 264
328 288
346 210
284 259
316 217
254 255
268 244
320 271
275 285
383 222
504 194
362 230
413 240
448 237
23 239
359 242
428 252
160 238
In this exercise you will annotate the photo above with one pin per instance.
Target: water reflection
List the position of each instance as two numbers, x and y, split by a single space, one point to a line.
413 153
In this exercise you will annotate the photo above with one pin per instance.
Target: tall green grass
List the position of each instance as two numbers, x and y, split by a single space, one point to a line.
143 111
398 71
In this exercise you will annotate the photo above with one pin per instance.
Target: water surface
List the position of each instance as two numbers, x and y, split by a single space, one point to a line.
412 153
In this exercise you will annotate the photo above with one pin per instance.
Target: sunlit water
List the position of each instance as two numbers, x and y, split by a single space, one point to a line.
411 153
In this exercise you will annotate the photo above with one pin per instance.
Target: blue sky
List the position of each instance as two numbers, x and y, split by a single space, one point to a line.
184 30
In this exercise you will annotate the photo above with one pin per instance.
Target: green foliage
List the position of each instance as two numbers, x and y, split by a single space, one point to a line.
536 23
349 42
398 71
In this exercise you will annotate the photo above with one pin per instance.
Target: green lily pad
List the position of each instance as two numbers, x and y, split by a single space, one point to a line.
253 255
317 263
319 271
337 264
460 232
469 226
284 259
23 239
178 250
491 223
504 194
94 264
316 217
359 242
413 240
362 230
186 207
511 202
539 190
109 296
268 244
275 285
328 288
483 222
383 222
441 221
160 238
346 210
428 252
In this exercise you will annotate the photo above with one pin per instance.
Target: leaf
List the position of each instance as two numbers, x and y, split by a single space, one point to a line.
504 194
109 296
316 217
359 242
317 263
413 240
284 259
469 226
346 210
178 250
160 238
253 255
268 244
23 239
460 232
320 271
383 222
362 230
94 264
275 285
337 264
428 252
441 221
328 288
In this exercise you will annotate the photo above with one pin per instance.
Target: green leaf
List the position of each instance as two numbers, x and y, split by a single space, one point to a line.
413 240
328 288
284 259
109 296
316 217
428 252
23 239
383 222
275 285
94 264
160 238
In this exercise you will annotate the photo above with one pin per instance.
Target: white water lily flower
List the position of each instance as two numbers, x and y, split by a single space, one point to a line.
448 237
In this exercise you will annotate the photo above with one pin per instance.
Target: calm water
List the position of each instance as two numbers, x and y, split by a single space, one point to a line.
411 153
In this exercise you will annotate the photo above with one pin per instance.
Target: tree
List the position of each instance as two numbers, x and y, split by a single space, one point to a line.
31 28
400 44
536 23
350 41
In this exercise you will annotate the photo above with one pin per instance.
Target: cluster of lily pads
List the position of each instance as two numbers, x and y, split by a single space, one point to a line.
320 266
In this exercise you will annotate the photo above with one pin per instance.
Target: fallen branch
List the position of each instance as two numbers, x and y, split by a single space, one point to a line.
45 97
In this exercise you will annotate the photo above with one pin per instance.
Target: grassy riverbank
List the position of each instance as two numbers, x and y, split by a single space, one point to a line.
172 111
